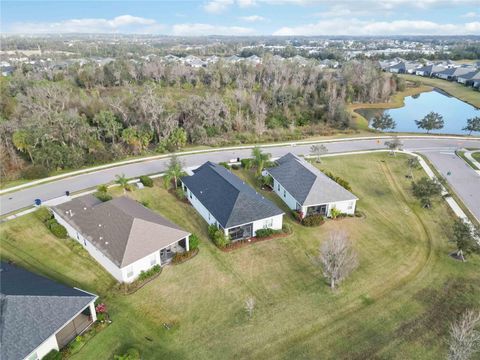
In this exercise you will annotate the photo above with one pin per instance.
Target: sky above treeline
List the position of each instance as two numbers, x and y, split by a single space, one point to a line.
244 17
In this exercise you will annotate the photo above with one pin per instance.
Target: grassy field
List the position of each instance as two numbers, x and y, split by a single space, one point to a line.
476 156
397 305
453 88
396 101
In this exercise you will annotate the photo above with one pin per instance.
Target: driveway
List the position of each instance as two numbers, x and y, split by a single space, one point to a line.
439 150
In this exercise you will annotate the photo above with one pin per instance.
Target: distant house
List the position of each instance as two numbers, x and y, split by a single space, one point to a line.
39 315
223 199
429 70
307 190
125 237
453 73
403 67
469 78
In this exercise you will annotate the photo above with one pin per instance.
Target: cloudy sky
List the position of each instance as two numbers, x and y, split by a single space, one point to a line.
244 17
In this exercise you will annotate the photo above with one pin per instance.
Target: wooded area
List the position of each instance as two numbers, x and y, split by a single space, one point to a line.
90 114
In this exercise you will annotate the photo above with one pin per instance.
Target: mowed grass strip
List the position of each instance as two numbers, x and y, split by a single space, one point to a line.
398 303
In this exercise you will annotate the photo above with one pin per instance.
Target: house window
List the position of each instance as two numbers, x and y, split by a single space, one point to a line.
350 206
278 187
208 216
267 223
284 193
190 193
153 260
130 272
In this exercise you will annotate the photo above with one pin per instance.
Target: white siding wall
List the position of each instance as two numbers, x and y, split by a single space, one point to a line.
346 207
139 266
47 346
276 221
284 195
92 250
202 210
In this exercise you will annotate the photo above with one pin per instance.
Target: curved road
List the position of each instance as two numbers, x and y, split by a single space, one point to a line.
440 151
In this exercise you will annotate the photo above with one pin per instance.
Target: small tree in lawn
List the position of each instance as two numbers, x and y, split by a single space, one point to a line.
393 144
337 258
432 121
473 124
424 189
466 237
174 172
122 181
250 306
259 159
383 122
318 151
413 164
464 336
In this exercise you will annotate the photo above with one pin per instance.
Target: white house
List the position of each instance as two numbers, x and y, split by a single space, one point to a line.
307 190
125 237
223 199
40 315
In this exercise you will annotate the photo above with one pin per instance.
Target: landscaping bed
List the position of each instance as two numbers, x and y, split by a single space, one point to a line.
241 243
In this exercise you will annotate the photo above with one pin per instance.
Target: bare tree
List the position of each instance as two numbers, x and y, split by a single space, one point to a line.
464 337
250 306
337 257
318 150
393 144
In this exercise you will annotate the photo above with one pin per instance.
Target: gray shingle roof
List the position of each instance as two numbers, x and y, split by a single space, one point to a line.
33 308
227 198
308 185
122 229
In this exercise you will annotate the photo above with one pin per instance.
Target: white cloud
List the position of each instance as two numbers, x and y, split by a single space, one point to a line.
246 3
471 14
252 18
208 29
342 26
125 23
217 6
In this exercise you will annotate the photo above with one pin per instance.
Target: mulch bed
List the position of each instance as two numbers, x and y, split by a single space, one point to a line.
192 255
253 240
128 289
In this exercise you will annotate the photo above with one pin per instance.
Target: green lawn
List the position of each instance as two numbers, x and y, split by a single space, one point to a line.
397 305
476 156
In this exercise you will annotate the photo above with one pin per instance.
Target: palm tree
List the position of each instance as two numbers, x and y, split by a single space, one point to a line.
123 182
259 159
174 172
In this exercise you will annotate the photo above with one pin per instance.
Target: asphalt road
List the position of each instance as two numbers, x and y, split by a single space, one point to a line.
440 152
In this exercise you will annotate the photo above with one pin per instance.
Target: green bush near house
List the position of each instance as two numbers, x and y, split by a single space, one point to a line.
53 355
262 233
102 188
246 163
218 236
334 213
194 241
224 164
313 220
149 273
43 214
235 167
146 181
180 193
58 230
102 196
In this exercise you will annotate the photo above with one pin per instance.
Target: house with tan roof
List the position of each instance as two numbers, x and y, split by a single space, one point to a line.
125 237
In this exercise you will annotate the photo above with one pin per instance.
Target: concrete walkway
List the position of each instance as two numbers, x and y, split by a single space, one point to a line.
468 155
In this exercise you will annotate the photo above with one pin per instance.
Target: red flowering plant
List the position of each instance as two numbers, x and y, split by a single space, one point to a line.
101 310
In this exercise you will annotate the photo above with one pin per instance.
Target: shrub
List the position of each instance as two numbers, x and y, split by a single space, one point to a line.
149 273
267 181
194 241
145 203
338 180
224 164
218 236
262 233
181 257
146 181
180 193
43 214
76 344
53 355
334 213
102 188
287 228
35 172
131 354
313 220
297 216
235 166
58 230
246 163
50 222
102 196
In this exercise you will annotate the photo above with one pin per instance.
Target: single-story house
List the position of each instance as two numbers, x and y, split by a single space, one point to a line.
429 70
469 78
307 190
223 199
453 73
39 315
125 237
403 67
